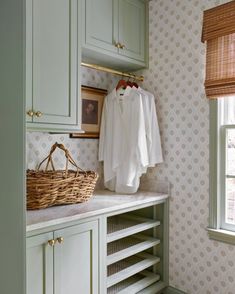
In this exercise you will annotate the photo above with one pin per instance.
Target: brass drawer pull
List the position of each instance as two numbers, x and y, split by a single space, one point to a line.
118 45
38 114
51 242
60 240
30 113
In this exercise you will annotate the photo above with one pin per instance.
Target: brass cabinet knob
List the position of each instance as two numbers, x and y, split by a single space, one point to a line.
30 113
60 240
118 45
38 114
51 242
122 46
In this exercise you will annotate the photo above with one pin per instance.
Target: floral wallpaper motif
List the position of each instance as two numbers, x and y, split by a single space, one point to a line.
176 76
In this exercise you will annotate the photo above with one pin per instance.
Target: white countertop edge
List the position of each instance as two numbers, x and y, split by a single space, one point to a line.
145 200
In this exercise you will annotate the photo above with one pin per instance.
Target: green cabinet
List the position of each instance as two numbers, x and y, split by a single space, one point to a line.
115 33
132 28
53 57
39 258
101 24
64 261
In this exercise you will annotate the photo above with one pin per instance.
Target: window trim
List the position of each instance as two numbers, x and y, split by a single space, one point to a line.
224 176
214 230
221 235
213 169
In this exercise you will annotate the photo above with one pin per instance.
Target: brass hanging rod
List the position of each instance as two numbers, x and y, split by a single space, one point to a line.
113 71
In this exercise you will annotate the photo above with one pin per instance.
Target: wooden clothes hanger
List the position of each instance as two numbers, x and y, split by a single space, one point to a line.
132 84
121 84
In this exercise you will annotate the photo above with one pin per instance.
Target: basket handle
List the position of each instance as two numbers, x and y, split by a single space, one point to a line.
67 155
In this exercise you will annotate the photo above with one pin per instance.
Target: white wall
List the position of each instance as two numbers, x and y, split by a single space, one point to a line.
176 76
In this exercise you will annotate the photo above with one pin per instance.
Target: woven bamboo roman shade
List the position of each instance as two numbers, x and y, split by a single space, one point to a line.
219 33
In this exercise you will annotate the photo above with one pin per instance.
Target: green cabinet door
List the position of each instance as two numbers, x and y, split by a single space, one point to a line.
39 258
132 28
76 259
100 24
114 33
53 62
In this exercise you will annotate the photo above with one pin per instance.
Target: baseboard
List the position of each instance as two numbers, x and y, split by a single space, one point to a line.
171 290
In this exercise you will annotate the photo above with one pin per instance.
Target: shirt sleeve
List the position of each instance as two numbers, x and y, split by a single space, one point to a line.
141 139
155 150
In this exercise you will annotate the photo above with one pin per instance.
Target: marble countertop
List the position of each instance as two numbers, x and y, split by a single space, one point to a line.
101 203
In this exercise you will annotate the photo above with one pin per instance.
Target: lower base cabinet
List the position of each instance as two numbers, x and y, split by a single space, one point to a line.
64 261
121 252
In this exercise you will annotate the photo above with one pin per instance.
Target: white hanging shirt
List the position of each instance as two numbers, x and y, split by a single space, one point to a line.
123 146
153 139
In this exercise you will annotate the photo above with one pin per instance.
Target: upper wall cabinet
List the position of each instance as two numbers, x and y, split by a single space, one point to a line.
53 57
115 33
101 24
132 29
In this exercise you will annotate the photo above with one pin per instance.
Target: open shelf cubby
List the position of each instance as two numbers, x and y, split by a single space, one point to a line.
133 241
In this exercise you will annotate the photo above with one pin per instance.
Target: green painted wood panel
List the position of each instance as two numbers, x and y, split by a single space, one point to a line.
12 158
39 259
106 23
76 260
53 60
29 54
132 28
100 24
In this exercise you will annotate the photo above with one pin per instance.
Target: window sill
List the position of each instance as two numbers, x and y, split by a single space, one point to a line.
222 235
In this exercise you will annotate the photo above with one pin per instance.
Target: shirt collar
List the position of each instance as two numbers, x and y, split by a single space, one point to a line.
114 93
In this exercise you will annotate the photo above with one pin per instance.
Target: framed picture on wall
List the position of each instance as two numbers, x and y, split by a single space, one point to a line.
92 105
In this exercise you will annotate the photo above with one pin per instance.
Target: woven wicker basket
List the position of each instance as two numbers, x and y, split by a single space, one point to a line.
48 188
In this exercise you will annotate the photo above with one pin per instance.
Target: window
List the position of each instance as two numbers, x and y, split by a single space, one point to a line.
227 161
228 217
219 34
222 167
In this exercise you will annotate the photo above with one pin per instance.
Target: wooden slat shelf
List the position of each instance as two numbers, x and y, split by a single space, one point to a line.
135 283
128 267
154 288
123 226
129 246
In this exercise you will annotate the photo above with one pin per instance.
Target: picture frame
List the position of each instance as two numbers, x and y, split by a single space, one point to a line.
92 105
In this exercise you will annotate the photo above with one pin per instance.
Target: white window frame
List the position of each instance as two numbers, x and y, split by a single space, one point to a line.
224 176
218 229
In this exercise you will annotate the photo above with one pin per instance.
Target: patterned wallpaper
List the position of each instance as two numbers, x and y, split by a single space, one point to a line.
176 75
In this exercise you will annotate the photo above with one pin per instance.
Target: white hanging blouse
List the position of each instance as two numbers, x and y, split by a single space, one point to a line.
126 144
